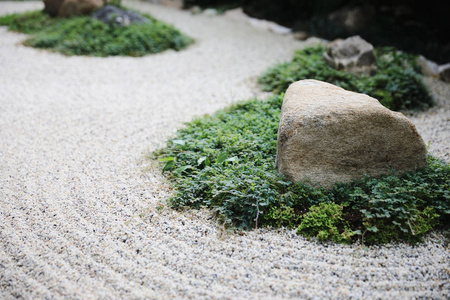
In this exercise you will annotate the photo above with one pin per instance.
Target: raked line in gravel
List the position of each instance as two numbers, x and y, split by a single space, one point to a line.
82 216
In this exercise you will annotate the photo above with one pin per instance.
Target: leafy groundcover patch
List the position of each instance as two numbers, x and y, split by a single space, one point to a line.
397 83
226 162
87 36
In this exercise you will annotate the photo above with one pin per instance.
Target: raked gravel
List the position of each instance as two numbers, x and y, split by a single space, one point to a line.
82 213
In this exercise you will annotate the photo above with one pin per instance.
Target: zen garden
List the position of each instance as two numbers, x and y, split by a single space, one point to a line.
337 138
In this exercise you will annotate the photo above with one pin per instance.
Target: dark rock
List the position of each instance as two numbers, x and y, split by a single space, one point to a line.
110 13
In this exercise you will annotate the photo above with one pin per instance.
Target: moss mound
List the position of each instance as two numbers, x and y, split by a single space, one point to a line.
87 36
397 83
226 162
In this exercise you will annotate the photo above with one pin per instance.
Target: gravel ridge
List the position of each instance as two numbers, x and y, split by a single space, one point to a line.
82 212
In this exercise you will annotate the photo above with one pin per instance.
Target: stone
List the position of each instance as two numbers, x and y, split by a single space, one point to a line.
52 7
78 7
328 135
444 72
353 54
428 67
110 13
301 35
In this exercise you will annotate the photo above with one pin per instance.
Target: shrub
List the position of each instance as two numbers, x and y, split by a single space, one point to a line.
396 84
226 162
87 36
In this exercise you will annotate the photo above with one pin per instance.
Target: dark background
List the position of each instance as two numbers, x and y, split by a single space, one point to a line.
414 26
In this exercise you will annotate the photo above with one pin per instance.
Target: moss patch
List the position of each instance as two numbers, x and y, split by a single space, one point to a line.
226 162
87 36
397 83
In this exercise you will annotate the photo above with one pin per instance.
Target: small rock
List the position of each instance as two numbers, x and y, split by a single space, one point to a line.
444 72
110 13
352 54
329 135
428 67
301 35
209 12
195 10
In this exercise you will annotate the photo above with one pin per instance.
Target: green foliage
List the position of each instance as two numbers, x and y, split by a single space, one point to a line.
226 162
28 22
87 36
396 84
325 222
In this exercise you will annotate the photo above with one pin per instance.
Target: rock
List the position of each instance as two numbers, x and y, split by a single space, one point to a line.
428 67
195 10
353 19
444 72
110 13
51 7
352 54
210 12
78 7
301 35
329 135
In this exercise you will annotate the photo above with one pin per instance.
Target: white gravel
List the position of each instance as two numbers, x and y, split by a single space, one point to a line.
82 215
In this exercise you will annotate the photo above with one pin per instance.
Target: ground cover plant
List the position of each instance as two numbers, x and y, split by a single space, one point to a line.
397 83
226 162
87 36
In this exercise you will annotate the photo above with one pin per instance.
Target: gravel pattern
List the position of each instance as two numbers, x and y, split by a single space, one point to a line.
82 213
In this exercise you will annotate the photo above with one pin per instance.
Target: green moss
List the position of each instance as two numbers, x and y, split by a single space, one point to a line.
325 221
397 83
87 36
226 162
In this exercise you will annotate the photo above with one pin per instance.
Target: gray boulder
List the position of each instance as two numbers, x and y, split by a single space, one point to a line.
352 54
110 13
329 135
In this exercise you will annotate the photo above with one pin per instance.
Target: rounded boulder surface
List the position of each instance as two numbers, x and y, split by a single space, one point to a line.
329 135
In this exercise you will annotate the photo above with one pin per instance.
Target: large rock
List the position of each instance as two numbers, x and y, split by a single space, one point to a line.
352 54
78 7
52 7
110 13
329 135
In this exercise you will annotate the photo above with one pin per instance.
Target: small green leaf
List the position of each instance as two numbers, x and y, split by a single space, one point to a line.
168 166
222 157
373 229
166 159
233 159
203 159
179 142
182 169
